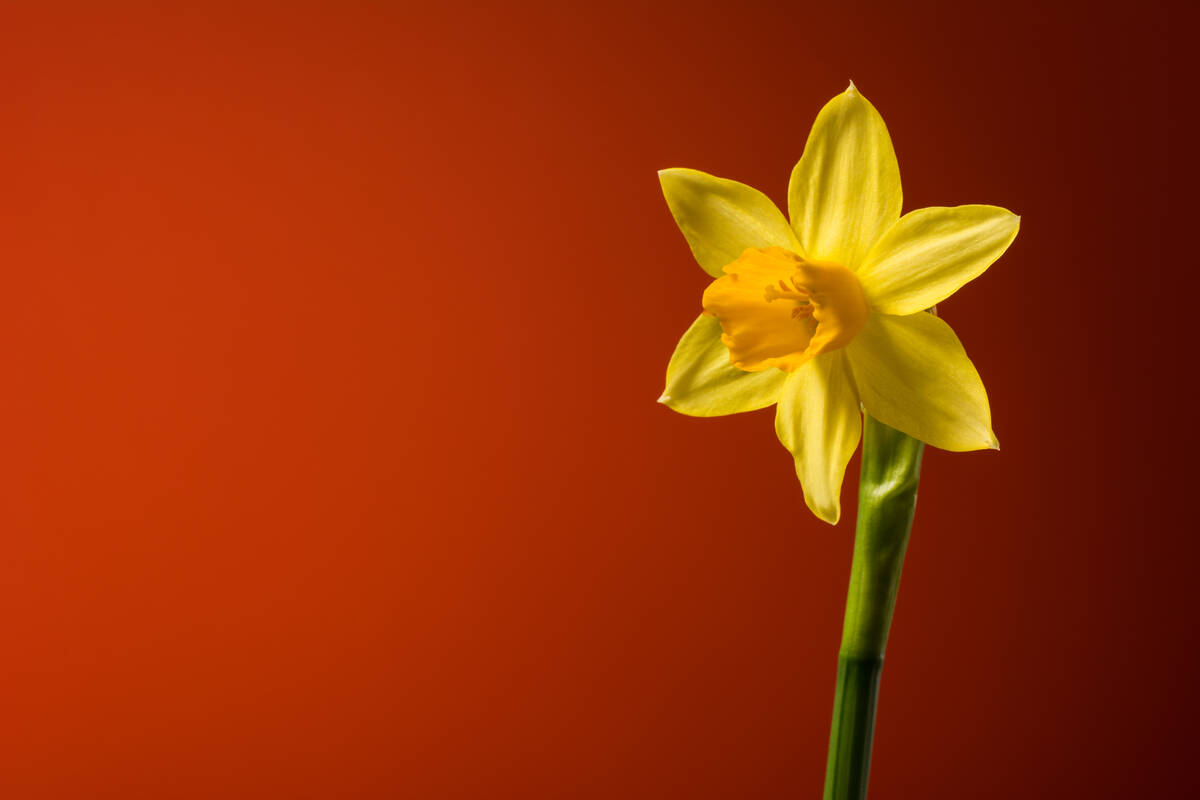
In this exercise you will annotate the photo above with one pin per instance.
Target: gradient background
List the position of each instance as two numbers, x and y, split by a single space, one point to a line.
331 335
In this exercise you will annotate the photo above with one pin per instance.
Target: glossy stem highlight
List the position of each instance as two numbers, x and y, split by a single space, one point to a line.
887 498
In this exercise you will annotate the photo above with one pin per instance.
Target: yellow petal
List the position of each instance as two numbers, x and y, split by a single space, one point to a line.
845 190
702 383
926 256
721 218
913 374
819 422
759 332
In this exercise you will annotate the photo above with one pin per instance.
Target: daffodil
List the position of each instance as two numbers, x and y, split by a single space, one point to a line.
825 316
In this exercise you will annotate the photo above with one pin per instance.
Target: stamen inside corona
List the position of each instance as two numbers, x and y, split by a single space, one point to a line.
778 309
796 293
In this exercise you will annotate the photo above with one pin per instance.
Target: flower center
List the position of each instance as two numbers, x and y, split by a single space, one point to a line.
778 309
794 291
828 298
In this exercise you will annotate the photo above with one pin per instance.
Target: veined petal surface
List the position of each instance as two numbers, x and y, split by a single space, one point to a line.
926 256
913 374
721 218
845 190
702 383
819 422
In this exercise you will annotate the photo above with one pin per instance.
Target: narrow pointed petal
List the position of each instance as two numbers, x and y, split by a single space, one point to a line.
845 190
702 383
721 218
926 256
819 422
913 374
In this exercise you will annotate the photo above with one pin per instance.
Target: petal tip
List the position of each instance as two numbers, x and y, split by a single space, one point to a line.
664 398
852 89
828 515
673 173
995 443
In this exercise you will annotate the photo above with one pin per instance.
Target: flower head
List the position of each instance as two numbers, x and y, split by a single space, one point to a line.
825 315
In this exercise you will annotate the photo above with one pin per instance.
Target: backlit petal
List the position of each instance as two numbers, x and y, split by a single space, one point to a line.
702 383
819 422
926 256
845 190
913 374
721 218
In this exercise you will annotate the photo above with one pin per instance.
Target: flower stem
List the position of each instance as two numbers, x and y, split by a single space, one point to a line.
887 497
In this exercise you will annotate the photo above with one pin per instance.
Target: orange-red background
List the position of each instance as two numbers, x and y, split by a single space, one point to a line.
331 468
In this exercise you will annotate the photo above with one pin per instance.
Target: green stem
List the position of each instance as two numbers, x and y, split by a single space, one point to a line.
887 497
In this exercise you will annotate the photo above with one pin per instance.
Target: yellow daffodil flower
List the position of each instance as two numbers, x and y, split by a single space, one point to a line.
825 316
